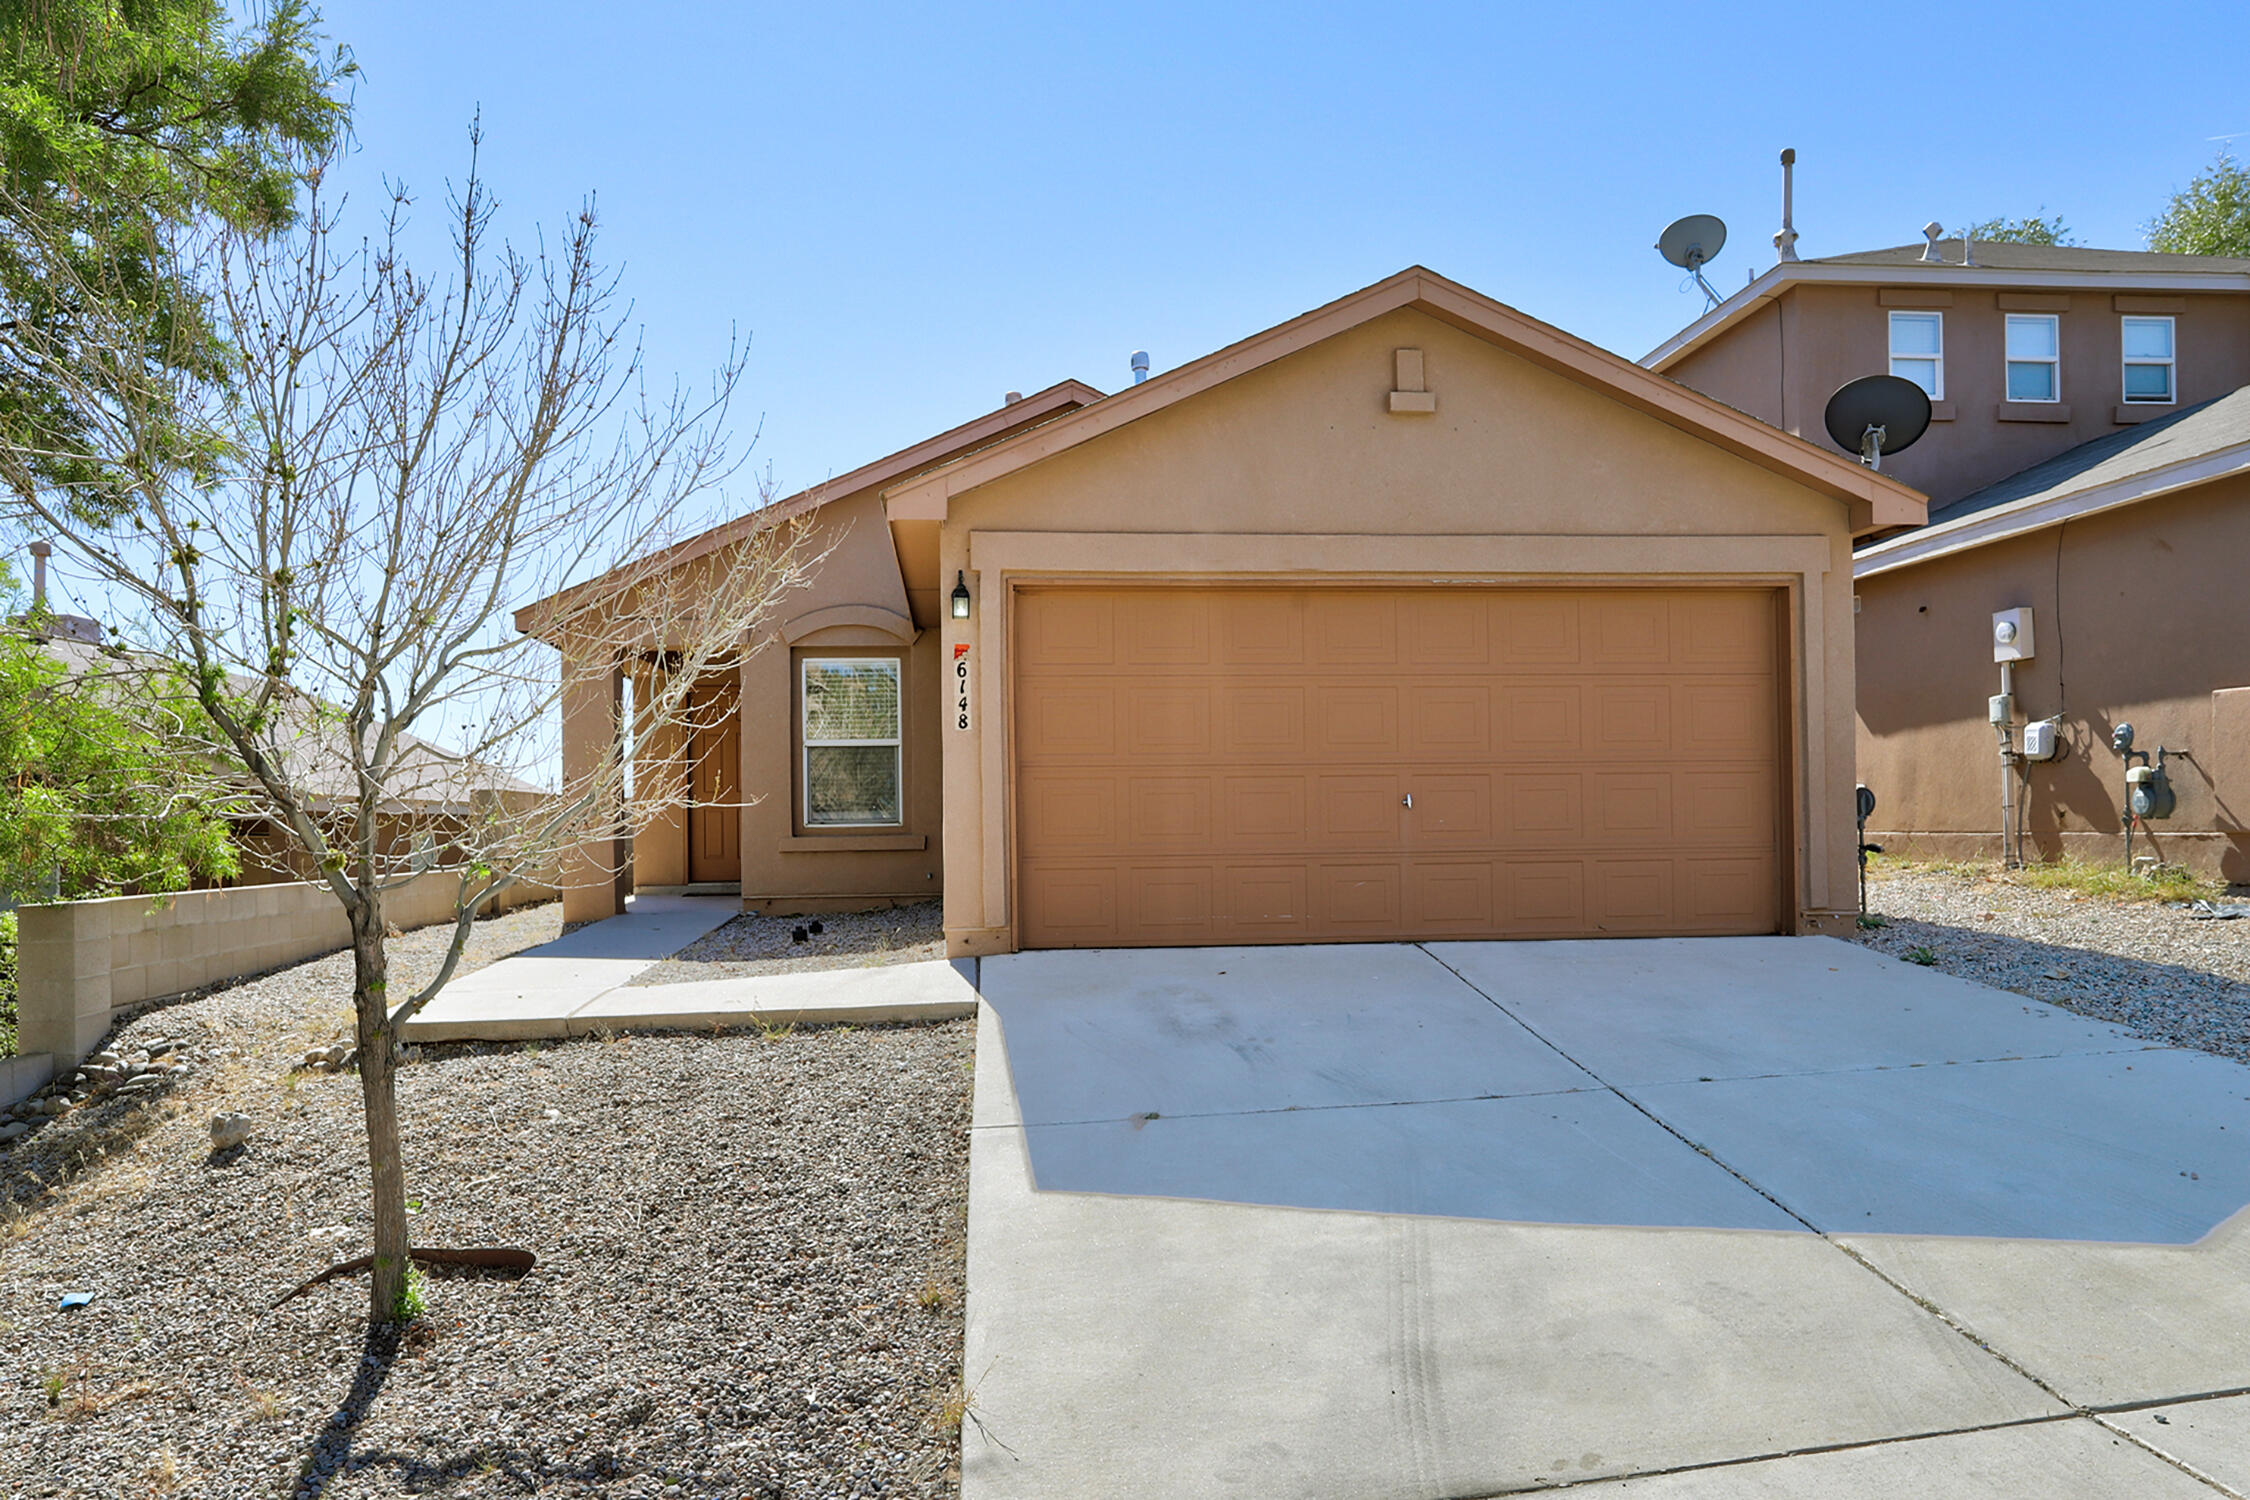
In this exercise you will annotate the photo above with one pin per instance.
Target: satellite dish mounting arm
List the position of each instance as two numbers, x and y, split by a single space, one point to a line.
1871 446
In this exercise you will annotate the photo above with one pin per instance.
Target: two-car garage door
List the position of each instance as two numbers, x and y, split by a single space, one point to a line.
1255 764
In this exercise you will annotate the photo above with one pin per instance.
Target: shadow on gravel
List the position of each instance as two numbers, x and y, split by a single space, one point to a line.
2145 997
330 1452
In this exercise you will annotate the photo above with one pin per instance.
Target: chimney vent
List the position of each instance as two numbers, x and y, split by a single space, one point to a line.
1931 232
1011 398
1785 243
1140 365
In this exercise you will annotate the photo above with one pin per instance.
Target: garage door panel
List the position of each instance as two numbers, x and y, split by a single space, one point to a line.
1360 898
1543 898
1725 632
1450 897
1168 810
1628 630
1451 809
1351 628
1542 809
1168 631
1631 719
1261 628
1068 812
1356 722
1065 628
1535 628
1446 628
1071 906
1449 721
1069 723
1266 903
1540 719
1168 721
1263 724
1356 811
1171 903
1581 762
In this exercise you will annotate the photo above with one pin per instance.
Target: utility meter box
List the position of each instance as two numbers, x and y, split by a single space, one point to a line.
2011 635
2041 741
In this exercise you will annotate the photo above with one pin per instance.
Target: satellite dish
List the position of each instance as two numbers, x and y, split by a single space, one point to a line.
1691 244
1877 414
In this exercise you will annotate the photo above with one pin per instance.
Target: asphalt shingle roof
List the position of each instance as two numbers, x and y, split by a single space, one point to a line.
2001 255
2193 432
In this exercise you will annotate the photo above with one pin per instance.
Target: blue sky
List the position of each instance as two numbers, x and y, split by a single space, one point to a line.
911 209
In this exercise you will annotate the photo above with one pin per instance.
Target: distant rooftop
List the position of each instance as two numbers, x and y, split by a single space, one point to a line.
2004 255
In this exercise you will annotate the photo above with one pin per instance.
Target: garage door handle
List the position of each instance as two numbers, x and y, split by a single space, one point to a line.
1409 799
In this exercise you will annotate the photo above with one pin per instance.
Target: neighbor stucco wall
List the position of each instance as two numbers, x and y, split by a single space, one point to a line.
1782 363
1299 468
2137 618
78 962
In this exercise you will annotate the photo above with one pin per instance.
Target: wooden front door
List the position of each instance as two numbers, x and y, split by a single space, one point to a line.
715 812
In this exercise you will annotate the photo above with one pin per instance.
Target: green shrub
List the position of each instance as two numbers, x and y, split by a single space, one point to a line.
7 984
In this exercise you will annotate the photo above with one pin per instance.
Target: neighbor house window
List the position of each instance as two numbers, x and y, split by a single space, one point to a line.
2034 357
1918 350
2148 358
849 715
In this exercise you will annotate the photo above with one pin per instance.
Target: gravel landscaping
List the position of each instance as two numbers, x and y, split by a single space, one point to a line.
2144 965
748 1281
846 940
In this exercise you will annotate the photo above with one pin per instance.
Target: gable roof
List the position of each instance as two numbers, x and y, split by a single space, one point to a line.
1063 396
2189 447
1876 500
1998 265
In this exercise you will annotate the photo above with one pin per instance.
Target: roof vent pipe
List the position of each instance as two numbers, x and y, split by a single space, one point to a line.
1011 398
1785 242
1968 256
40 552
1140 365
1930 232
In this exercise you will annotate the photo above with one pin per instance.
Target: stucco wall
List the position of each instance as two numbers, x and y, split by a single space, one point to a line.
1300 468
1782 364
81 961
2137 617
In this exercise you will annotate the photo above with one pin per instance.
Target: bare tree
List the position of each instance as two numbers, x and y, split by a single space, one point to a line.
392 462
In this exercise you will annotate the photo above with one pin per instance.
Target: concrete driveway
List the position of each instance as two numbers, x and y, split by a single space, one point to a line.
1674 1218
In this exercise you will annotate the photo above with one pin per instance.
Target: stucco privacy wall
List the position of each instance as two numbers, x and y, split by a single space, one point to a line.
2137 617
1299 469
78 962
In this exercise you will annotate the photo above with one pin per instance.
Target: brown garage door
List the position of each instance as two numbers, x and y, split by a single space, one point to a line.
1243 765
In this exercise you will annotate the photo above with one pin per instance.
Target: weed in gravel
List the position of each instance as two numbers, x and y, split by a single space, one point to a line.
51 1383
414 1297
1924 956
1872 921
773 1031
934 1296
164 1477
2161 883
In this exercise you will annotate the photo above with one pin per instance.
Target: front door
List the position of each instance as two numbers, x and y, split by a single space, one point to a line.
715 812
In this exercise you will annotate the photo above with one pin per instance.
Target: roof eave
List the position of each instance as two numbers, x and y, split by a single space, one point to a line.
2036 513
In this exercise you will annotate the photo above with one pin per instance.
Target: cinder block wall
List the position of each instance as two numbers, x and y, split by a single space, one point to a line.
78 962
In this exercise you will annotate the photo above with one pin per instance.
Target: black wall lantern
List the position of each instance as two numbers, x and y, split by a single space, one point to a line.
960 595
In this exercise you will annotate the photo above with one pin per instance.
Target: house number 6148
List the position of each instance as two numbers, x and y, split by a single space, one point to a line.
960 687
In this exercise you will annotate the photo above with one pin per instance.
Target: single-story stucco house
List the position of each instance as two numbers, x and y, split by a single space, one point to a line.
1412 617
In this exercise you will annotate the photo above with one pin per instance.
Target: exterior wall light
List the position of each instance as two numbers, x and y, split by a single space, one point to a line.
960 595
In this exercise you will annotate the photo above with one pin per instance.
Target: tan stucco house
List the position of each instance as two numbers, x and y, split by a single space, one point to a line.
1412 617
2088 461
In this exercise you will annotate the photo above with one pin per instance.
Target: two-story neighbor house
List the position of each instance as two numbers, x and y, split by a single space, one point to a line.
2088 459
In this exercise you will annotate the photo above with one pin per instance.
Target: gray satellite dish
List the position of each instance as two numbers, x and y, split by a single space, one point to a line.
1877 414
1691 244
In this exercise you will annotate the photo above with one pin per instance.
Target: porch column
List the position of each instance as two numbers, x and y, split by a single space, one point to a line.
596 871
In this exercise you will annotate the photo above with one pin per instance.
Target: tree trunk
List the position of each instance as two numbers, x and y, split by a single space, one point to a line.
378 1084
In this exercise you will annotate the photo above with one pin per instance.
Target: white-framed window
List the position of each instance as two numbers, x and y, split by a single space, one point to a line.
2148 358
848 721
1918 350
2034 357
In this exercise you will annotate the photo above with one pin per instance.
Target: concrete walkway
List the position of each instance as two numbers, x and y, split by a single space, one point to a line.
1684 1219
582 983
